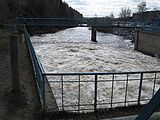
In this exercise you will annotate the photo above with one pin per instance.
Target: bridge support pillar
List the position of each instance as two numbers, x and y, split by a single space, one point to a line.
93 35
15 39
136 39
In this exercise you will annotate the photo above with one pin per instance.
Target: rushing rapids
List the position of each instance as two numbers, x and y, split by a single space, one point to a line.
72 51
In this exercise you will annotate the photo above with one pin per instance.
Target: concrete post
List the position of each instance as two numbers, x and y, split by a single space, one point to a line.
93 35
136 39
14 48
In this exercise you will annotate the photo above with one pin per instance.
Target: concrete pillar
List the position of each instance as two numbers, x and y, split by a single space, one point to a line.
136 39
93 35
15 39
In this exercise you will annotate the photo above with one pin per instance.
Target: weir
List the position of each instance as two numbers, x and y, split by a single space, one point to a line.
95 106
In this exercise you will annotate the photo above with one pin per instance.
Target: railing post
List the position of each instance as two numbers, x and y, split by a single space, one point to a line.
126 91
151 106
140 89
62 93
155 77
112 90
14 48
95 94
79 92
136 40
43 92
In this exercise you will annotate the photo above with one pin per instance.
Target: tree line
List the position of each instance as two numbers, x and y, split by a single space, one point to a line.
51 8
126 11
10 9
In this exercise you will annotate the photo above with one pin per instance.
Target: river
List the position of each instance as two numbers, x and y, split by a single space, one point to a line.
71 50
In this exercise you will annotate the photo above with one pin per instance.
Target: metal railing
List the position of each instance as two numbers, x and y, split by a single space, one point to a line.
37 69
86 92
82 92
89 22
150 108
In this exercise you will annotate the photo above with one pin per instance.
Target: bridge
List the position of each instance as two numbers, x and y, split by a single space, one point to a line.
88 22
41 76
96 22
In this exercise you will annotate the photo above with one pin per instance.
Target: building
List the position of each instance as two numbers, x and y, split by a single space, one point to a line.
149 15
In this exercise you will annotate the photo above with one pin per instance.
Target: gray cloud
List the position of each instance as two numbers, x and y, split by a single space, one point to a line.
77 2
105 7
137 1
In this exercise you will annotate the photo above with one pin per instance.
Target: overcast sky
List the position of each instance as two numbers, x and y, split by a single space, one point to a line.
90 8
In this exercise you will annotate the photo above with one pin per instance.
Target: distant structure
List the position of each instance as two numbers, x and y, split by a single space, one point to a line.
149 15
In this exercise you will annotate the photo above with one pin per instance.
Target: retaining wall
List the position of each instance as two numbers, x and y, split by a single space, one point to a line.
147 43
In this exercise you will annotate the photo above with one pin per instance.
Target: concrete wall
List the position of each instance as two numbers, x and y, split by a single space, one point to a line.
49 96
147 43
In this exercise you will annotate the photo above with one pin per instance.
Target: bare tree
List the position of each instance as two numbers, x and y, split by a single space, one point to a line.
155 9
125 12
142 7
111 15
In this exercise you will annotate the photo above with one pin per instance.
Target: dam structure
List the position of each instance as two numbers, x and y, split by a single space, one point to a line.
96 79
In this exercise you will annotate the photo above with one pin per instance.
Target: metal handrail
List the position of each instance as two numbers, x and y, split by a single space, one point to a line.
38 70
89 22
98 73
150 108
112 79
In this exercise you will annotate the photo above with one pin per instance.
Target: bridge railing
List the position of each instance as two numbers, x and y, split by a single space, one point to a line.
87 92
87 22
56 22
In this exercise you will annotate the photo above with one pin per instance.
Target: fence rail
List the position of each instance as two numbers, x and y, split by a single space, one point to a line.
90 22
38 70
82 92
76 85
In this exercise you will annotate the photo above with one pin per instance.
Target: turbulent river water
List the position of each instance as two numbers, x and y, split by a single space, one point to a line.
71 50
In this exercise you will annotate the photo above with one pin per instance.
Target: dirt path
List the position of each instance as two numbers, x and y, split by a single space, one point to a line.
27 105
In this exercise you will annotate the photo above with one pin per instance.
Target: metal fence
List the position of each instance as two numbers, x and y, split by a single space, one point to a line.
38 70
86 92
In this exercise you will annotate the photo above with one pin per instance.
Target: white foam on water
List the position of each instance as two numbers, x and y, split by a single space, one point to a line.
72 51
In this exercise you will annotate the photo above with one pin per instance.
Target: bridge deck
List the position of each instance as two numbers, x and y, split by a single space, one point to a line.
88 22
